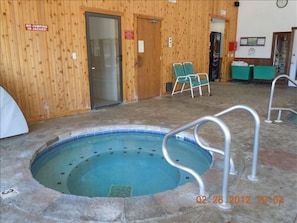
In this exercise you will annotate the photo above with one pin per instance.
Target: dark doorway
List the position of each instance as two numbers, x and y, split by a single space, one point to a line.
214 56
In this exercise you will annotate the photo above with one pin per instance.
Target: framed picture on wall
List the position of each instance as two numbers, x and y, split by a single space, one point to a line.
243 41
261 41
252 41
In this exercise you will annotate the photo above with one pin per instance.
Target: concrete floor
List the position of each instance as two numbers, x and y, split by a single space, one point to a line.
28 201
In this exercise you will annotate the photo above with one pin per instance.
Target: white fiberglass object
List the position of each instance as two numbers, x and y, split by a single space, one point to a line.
12 120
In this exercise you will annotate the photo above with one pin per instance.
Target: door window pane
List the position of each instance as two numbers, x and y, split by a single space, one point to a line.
104 57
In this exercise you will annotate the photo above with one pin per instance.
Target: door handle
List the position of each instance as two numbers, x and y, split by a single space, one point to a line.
93 68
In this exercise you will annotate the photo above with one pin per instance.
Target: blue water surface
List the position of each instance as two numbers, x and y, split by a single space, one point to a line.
117 164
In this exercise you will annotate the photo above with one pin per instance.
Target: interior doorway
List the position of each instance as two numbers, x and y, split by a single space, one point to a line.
148 57
281 52
216 50
104 59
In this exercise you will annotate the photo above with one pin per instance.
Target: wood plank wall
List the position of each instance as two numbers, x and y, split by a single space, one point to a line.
36 67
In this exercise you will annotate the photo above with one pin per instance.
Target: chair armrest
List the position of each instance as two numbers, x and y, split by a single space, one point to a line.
182 77
194 75
202 74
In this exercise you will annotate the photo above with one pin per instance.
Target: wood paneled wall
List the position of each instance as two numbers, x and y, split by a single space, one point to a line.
37 68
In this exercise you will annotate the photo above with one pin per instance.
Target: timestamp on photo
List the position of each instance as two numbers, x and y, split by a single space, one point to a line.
242 199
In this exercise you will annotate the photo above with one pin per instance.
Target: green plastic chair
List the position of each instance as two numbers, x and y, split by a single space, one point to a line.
201 78
191 79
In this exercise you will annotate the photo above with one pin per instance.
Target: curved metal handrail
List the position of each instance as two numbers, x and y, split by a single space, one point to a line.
198 123
270 108
215 150
255 115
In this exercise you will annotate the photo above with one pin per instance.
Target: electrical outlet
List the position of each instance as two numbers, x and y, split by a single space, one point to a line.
74 56
169 41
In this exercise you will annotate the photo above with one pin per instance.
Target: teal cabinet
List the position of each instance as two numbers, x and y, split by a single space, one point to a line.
262 72
241 72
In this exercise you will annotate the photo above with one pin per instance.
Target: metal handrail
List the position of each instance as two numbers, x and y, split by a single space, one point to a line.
255 115
228 162
270 108
215 150
197 123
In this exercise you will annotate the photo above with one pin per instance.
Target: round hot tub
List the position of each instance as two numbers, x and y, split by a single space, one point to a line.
117 163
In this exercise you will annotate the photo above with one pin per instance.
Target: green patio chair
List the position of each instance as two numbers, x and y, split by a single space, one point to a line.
192 80
202 78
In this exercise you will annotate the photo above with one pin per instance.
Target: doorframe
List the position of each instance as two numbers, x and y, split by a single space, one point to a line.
225 70
108 13
294 32
288 57
141 16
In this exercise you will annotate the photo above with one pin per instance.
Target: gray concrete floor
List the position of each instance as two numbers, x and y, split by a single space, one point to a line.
277 167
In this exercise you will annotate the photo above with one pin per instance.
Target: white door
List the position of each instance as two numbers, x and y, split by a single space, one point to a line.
293 65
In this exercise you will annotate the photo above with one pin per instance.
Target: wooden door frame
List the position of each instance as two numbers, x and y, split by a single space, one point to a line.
137 16
293 29
294 32
225 69
288 60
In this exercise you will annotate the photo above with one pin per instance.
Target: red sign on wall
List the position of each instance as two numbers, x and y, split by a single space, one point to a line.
232 46
129 34
36 27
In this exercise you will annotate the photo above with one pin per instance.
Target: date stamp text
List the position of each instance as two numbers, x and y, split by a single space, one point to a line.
242 199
